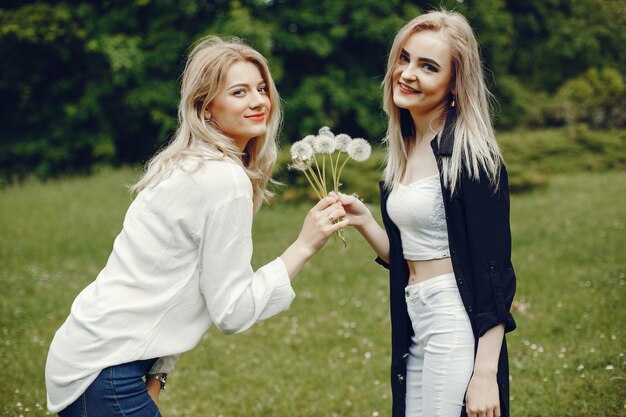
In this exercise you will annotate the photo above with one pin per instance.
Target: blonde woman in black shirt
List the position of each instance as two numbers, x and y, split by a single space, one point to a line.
447 240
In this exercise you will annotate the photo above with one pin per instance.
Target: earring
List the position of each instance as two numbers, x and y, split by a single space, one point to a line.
453 103
211 122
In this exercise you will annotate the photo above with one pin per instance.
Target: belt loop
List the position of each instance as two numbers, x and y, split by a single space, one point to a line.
420 289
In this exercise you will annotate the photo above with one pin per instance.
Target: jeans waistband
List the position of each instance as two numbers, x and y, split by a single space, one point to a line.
431 285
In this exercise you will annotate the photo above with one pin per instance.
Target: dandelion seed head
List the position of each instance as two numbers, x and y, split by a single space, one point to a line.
324 144
325 131
301 151
359 149
309 139
300 165
342 140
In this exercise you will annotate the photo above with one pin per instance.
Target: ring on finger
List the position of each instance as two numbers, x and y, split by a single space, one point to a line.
331 218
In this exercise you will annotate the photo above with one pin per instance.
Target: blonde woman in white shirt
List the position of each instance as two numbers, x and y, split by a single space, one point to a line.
182 260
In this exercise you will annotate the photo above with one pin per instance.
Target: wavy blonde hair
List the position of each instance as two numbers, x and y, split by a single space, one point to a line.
475 146
202 80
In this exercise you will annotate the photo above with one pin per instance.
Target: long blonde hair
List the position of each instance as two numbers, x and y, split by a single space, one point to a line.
202 80
475 146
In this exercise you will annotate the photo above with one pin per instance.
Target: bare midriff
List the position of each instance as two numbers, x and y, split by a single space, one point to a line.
420 271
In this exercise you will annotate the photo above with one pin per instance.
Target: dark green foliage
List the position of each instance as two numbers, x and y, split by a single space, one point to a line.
87 83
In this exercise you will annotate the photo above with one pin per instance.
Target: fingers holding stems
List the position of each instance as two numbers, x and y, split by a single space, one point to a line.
356 211
364 222
324 219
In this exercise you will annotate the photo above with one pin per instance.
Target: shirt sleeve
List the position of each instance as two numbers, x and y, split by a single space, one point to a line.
164 365
487 217
382 263
237 296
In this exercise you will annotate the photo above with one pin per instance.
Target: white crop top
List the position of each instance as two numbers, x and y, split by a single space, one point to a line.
417 209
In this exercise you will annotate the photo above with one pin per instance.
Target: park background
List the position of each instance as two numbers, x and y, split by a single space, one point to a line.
89 91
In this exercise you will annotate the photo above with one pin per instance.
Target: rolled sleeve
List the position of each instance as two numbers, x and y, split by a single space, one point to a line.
382 263
164 365
236 295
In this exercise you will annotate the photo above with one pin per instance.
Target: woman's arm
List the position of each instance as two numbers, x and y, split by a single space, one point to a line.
361 218
487 217
482 397
236 295
153 387
489 232
162 367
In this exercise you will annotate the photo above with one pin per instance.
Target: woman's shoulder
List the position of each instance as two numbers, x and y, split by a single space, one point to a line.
203 183
491 184
223 177
482 172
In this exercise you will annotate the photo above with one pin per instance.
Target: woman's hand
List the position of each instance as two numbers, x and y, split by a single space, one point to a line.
482 398
154 389
361 218
324 219
356 211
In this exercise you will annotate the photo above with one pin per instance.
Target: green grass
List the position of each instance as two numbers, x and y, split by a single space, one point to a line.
329 354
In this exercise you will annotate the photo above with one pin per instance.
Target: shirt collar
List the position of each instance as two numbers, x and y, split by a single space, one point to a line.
210 150
445 145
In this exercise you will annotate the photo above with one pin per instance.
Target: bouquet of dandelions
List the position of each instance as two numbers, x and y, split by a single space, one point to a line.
306 155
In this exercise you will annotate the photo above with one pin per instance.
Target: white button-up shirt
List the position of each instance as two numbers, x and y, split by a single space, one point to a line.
180 264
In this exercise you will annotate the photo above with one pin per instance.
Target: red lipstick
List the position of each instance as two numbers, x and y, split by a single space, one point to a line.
258 117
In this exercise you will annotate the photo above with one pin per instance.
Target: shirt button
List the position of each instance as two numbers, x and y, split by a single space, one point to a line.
452 252
460 282
469 309
492 267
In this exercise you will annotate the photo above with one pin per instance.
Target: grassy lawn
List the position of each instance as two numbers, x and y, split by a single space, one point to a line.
328 355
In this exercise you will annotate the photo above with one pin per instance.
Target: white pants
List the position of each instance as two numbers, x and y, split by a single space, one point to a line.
441 356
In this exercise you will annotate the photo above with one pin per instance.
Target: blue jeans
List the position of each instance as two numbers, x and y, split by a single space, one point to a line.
118 391
441 356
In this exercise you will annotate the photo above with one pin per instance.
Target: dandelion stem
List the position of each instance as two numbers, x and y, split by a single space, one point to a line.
333 170
340 234
312 185
343 165
324 172
320 177
319 189
336 173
